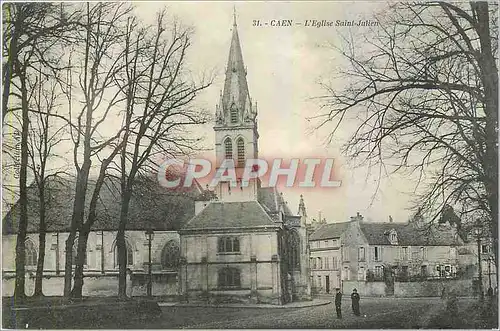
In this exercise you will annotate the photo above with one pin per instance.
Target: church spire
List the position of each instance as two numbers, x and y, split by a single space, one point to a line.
236 102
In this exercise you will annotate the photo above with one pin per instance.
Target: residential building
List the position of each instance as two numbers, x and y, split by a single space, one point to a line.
326 257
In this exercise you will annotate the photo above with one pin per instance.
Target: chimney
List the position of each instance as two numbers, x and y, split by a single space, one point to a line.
358 217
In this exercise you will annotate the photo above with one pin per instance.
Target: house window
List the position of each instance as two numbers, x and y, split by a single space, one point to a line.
378 271
345 254
423 253
405 253
319 281
229 277
170 255
327 263
31 253
377 253
326 243
346 273
229 245
334 263
404 272
335 242
361 273
484 249
320 263
423 271
228 148
234 114
453 253
361 254
130 254
240 144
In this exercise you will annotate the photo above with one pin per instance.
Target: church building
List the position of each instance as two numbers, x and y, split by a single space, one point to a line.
244 245
236 243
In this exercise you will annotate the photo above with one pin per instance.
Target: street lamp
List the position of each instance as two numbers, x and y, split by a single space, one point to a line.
150 234
480 268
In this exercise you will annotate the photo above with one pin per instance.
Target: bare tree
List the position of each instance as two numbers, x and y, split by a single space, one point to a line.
30 32
159 109
423 88
103 29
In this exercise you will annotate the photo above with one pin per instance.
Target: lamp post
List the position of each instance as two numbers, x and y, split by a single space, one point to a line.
150 235
480 268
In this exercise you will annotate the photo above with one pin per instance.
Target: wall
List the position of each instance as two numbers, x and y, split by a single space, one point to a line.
257 261
55 245
103 285
463 287
368 289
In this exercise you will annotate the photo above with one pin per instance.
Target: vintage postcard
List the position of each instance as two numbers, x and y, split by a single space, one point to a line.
246 165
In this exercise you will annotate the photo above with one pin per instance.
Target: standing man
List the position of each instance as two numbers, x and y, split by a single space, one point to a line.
129 283
338 303
355 302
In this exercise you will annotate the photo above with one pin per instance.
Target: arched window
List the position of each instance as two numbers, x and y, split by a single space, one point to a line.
294 250
228 148
75 253
241 151
234 114
31 253
229 278
130 254
170 255
228 245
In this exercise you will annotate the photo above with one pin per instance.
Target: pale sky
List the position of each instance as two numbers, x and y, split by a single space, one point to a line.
285 66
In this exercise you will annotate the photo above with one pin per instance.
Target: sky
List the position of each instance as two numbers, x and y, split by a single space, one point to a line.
285 66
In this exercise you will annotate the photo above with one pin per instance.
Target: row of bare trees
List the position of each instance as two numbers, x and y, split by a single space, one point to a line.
94 91
423 89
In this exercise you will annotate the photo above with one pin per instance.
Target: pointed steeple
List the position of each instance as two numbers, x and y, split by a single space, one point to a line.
236 95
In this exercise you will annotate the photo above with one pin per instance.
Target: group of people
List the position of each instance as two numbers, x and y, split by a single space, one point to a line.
354 302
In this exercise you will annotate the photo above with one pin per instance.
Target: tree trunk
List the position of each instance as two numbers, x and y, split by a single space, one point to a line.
76 221
120 242
80 262
41 241
23 197
40 263
489 79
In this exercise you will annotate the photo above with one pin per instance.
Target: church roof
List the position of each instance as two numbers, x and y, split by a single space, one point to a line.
271 200
230 215
151 206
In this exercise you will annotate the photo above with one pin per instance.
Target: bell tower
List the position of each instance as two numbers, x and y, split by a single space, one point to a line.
235 128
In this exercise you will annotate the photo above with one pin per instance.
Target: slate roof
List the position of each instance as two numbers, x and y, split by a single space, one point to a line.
408 234
225 215
271 200
329 230
151 206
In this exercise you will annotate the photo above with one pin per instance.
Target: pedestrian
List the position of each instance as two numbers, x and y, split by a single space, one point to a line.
338 303
129 283
355 302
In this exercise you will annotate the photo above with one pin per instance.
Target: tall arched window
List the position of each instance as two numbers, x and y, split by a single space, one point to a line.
75 252
241 151
234 114
294 250
229 277
228 148
170 255
31 253
130 254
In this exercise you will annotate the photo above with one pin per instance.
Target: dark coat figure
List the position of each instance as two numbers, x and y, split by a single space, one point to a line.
338 303
355 302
